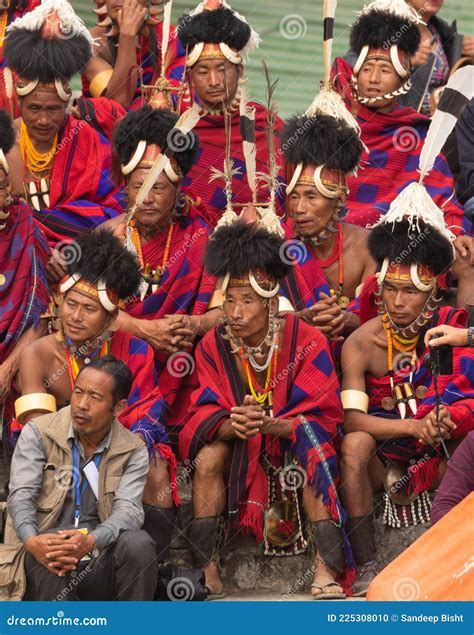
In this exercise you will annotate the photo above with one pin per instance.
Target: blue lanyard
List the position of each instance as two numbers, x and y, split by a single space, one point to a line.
78 492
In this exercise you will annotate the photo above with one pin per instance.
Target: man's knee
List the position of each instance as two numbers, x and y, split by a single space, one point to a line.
157 485
135 545
211 460
356 450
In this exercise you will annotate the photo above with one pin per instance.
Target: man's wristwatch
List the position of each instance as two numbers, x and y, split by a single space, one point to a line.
470 336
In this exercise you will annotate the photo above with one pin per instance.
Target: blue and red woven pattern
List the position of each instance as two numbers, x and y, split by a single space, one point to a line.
82 196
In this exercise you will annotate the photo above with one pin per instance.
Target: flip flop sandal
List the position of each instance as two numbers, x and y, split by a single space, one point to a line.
213 596
328 595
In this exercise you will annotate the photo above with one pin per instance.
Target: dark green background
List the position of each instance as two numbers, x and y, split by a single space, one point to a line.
298 63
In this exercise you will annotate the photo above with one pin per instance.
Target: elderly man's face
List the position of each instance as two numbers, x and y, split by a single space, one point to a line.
247 313
4 194
43 113
155 211
310 210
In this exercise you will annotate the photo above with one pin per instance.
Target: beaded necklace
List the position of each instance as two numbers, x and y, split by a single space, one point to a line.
259 393
35 162
342 300
403 393
73 366
150 276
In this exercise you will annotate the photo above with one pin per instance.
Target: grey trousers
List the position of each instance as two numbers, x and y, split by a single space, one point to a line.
127 570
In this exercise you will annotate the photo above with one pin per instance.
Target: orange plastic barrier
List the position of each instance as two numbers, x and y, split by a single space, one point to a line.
437 566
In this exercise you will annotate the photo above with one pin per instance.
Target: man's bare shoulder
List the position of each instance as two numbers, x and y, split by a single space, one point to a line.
365 334
355 235
40 348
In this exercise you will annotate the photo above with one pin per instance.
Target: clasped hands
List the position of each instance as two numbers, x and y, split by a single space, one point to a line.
428 432
60 552
327 316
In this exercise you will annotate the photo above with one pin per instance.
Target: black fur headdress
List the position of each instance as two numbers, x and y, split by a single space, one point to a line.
221 25
62 52
103 257
241 247
321 140
399 242
154 126
7 132
382 29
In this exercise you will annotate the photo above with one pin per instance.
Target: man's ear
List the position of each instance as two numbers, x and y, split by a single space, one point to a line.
120 407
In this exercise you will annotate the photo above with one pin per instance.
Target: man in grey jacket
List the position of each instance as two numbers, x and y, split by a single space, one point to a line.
75 504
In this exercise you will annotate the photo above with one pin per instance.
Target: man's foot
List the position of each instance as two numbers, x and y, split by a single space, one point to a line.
324 586
213 582
328 591
365 574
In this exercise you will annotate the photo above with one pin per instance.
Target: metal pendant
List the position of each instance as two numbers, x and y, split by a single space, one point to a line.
388 403
421 391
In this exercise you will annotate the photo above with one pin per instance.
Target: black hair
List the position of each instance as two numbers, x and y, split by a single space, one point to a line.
116 368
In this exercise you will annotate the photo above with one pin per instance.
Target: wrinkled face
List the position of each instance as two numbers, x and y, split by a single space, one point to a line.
114 6
43 113
215 81
92 407
426 8
310 210
404 302
156 209
377 78
247 312
4 195
82 318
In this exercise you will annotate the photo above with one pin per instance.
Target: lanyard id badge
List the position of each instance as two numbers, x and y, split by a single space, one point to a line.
91 473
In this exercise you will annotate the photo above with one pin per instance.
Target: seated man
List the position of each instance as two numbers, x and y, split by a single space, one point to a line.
218 41
129 54
267 401
392 134
101 279
60 165
10 10
396 437
168 234
24 294
320 153
76 487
